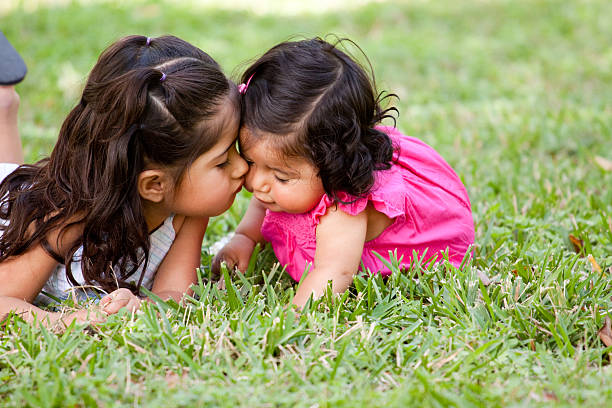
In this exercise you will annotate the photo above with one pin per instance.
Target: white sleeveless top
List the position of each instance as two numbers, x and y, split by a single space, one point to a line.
59 287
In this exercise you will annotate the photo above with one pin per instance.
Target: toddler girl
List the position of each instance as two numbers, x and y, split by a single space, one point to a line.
330 185
143 160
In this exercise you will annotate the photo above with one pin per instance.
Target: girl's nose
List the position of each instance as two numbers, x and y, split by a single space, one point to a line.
240 166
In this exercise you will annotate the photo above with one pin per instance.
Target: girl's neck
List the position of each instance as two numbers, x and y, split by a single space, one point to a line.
155 214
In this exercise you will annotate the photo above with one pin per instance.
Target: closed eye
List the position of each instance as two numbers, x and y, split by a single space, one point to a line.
224 164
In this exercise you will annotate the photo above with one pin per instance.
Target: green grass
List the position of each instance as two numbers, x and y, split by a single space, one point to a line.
515 95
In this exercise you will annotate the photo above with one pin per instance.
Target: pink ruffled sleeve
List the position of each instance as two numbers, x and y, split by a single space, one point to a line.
354 206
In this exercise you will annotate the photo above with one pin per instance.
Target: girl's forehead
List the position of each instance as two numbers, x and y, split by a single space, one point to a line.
249 139
264 153
228 113
226 118
255 137
259 147
269 147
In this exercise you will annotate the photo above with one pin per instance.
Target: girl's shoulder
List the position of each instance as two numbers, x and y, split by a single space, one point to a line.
383 198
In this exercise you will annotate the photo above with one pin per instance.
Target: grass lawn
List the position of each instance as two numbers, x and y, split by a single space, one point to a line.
516 95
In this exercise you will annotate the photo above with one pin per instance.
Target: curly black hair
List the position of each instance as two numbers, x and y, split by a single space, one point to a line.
317 103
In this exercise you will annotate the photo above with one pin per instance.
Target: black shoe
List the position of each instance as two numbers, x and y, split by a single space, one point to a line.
12 67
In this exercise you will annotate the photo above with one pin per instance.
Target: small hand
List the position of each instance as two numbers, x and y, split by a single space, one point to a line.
121 298
236 254
221 283
89 317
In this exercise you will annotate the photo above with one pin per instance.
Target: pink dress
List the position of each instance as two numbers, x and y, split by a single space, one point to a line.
420 192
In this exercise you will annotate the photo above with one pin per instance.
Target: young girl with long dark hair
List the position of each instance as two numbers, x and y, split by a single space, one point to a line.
141 162
332 188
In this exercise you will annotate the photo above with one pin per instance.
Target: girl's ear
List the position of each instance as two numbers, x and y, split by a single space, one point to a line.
153 185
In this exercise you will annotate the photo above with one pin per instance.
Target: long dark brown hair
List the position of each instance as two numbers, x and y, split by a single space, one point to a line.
319 104
146 103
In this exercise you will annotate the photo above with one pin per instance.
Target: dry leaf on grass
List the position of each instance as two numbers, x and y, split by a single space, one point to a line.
605 333
550 396
577 243
545 396
605 164
517 293
594 265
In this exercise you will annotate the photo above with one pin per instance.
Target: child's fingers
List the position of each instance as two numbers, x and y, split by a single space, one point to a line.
133 305
105 300
215 267
108 299
114 301
242 265
216 263
118 299
223 257
113 307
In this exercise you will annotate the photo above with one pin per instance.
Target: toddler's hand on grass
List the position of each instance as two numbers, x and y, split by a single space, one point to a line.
235 254
121 298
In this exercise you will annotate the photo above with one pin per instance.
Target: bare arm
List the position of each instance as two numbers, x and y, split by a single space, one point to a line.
237 252
340 240
59 320
23 277
250 225
177 271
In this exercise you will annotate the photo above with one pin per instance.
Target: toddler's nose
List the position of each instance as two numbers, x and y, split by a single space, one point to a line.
255 181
